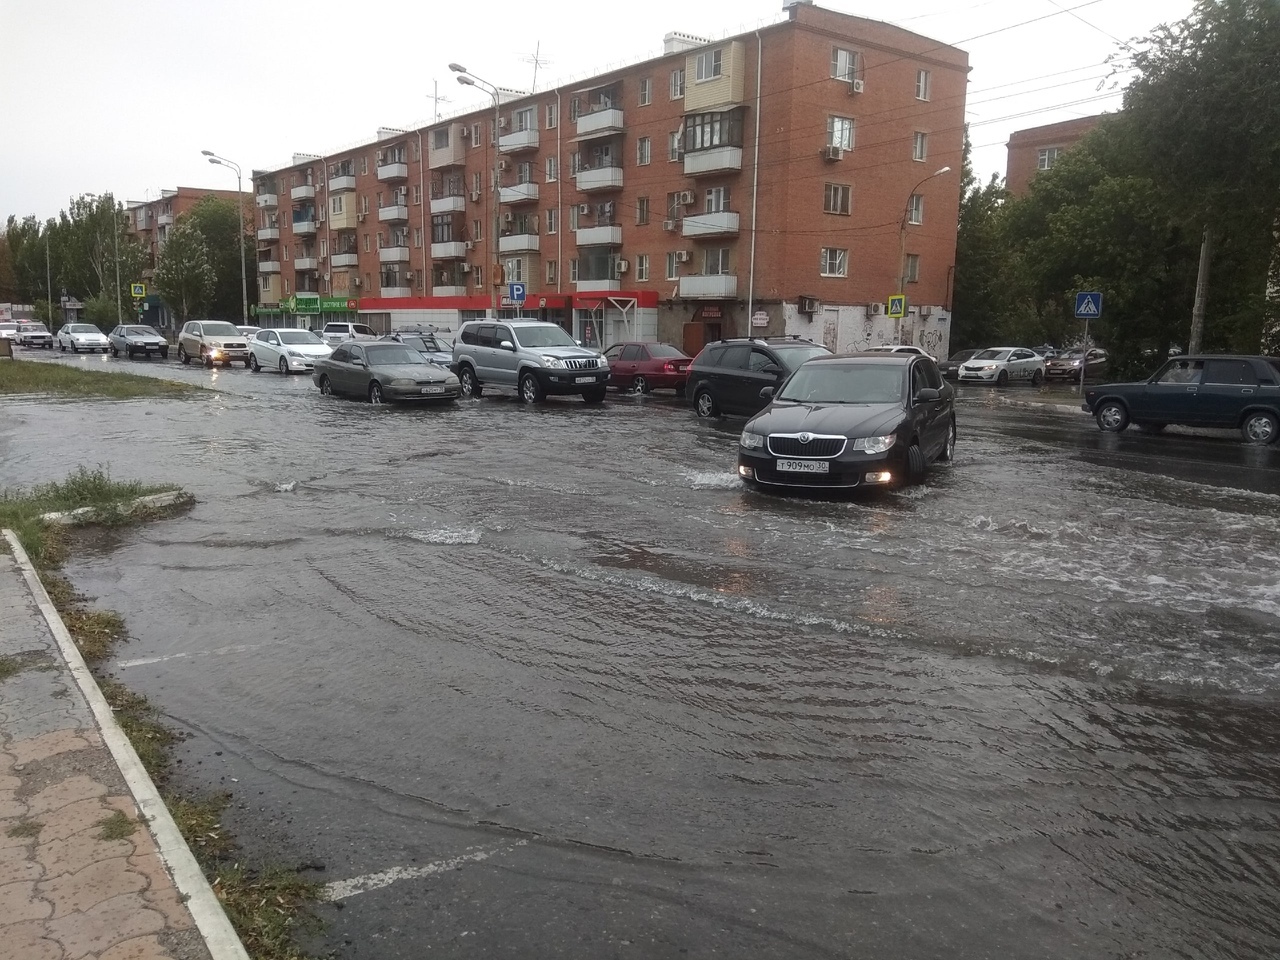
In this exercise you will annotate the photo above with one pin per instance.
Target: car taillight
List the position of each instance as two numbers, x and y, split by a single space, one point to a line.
669 367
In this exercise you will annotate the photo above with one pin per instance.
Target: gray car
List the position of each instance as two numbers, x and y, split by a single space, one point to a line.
134 339
529 356
382 372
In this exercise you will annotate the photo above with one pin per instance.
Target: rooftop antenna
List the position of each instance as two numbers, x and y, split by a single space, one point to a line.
436 99
537 62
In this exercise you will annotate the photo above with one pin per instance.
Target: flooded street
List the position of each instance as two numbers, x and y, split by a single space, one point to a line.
550 682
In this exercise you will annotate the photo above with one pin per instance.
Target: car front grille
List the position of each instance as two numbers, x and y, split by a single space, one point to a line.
580 364
815 447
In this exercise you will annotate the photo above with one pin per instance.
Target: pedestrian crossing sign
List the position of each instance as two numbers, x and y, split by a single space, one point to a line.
138 290
1088 305
897 306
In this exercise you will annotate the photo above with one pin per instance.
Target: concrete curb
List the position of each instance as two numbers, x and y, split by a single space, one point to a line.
88 513
1032 405
219 936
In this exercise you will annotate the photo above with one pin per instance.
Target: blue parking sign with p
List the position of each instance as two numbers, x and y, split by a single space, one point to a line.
1088 305
516 292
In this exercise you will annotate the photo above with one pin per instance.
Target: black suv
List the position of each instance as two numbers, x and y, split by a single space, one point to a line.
728 375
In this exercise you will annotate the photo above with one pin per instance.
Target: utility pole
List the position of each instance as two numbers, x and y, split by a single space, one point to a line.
469 79
115 233
48 273
1202 293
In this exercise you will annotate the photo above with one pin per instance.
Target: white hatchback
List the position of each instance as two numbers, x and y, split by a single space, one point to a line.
286 350
999 365
82 336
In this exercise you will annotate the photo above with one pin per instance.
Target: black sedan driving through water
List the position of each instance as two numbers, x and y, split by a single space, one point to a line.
862 419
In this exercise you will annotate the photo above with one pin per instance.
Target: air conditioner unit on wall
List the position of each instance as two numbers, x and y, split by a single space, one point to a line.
502 123
621 267
682 256
669 226
502 164
470 244
832 153
466 132
475 196
686 197
875 309
408 275
809 305
465 268
857 86
355 281
360 217
584 209
508 218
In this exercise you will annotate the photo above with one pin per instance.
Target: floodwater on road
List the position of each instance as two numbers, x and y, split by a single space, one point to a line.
550 681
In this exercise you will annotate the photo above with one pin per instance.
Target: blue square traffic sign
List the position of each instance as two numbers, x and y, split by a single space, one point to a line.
516 292
1088 305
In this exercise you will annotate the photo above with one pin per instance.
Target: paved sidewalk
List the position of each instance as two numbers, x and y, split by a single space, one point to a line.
66 892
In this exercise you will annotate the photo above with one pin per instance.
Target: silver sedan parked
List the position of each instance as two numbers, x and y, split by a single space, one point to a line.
286 350
383 372
132 339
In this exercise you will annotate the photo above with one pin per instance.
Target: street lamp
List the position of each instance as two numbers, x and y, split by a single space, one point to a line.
468 79
902 241
244 283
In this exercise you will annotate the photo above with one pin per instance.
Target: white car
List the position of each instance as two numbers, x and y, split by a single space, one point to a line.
8 330
336 333
286 350
999 365
898 348
32 334
82 336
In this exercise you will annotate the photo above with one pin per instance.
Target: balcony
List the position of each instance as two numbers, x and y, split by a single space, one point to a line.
268 201
519 193
393 254
164 220
601 123
722 224
306 263
269 233
721 286
518 243
450 250
455 203
609 235
599 286
519 141
304 228
452 291
345 260
599 178
393 171
268 266
342 183
395 213
453 155
394 291
702 163
304 192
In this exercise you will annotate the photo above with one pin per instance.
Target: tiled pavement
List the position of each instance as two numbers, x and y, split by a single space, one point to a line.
66 892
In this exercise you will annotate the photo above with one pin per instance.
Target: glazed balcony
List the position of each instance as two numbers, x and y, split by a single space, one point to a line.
164 220
305 228
449 250
454 155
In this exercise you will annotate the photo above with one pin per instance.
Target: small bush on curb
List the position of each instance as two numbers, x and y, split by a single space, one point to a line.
116 827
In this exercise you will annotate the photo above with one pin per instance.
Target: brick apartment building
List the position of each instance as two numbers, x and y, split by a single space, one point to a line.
1038 148
759 184
151 220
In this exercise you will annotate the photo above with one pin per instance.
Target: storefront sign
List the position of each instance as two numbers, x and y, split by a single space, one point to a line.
710 312
760 319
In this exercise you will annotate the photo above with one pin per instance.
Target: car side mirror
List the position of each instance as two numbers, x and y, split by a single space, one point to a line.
928 394
507 345
772 369
766 393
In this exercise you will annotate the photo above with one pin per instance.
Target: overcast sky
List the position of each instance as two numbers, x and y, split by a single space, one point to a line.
122 95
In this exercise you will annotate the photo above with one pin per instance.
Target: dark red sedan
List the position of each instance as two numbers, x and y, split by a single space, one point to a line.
642 367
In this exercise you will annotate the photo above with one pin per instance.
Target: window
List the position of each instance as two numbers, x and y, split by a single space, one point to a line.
417 194
642 210
705 130
912 272
840 132
265 280
524 119
440 138
737 357
710 64
922 84
642 267
715 261
364 166
553 116
643 151
835 262
513 270
915 209
286 285
675 147
493 133
552 219
475 134
573 270
442 228
366 243
717 200
477 229
478 273
646 91
573 216
477 182
335 204
1046 157
417 236
672 268
837 198
524 171
324 247
920 146
845 64
364 204
551 273
1234 372
677 84
553 170
575 109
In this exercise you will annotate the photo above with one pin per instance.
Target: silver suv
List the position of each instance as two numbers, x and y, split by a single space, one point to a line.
336 333
529 356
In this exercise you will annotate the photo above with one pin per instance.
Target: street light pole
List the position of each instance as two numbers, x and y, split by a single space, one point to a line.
244 283
902 241
468 79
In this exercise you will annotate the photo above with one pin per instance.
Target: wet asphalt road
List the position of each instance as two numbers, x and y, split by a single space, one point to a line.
565 688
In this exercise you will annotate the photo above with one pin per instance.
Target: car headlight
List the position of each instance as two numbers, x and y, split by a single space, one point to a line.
451 379
601 362
553 361
295 353
402 382
874 444
751 441
1075 363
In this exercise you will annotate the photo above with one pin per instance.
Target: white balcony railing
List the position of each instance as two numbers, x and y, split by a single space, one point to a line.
606 236
715 160
268 266
452 204
393 254
393 213
600 178
268 201
164 220
304 228
519 193
600 123
345 260
517 141
304 192
393 171
306 263
599 286
721 286
450 250
342 183
724 223
394 291
453 291
518 243
268 233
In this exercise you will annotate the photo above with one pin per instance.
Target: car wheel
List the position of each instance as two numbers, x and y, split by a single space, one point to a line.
949 448
640 385
1151 427
284 367
1112 416
704 404
326 387
375 392
1037 378
1260 427
469 384
253 363
116 353
594 396
182 355
74 348
164 354
1003 379
246 363
530 389
915 465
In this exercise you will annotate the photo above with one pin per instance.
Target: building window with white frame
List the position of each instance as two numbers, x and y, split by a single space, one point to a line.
642 211
920 146
677 84
675 147
912 271
834 262
573 216
478 273
715 261
922 84
513 270
573 270
553 116
364 166
551 273
643 151
646 91
417 237
642 267
717 200
915 209
477 229
1046 157
524 171
553 170
837 198
840 132
551 221
709 64
673 269
845 64
525 119
477 182
335 204
417 194
475 134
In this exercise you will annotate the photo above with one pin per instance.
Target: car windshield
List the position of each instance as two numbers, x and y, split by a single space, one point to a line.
1069 355
792 357
993 355
298 336
8 326
140 332
845 383
963 355
549 335
660 351
81 328
393 353
220 330
35 328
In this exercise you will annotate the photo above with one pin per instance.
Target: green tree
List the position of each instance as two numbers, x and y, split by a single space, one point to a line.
980 297
184 276
221 222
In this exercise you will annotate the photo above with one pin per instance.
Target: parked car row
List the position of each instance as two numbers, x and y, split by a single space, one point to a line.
1001 365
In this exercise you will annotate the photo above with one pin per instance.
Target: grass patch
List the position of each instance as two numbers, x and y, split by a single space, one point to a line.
151 739
19 377
9 666
269 908
116 827
27 828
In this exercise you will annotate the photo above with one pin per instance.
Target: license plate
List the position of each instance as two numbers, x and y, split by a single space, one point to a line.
433 389
585 380
804 466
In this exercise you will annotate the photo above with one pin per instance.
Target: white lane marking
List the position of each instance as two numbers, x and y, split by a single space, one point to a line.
340 889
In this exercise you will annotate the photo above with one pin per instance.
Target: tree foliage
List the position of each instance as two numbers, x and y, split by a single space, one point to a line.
222 224
184 276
